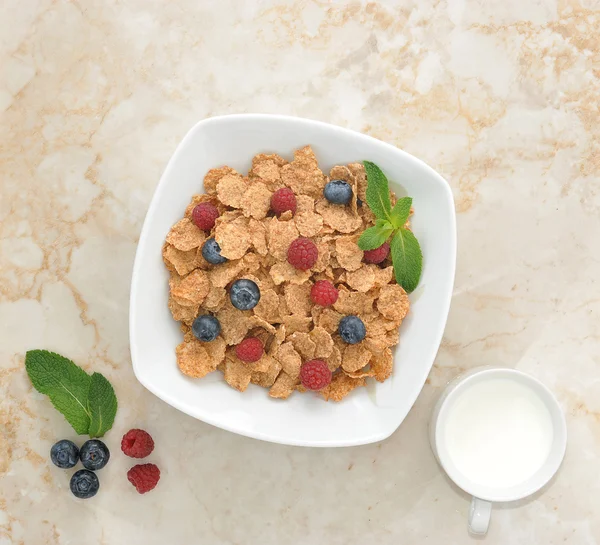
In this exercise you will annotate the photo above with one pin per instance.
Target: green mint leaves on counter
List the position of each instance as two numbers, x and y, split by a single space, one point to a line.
102 405
87 402
407 258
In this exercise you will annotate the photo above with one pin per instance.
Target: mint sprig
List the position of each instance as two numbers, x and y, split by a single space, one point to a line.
407 257
87 402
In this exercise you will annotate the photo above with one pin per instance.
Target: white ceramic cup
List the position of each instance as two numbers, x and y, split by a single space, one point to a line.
483 496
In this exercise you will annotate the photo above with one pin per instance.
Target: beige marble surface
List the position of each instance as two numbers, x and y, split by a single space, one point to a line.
501 97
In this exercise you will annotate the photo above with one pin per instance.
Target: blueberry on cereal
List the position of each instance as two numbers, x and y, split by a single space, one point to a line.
211 251
206 328
244 294
352 329
338 192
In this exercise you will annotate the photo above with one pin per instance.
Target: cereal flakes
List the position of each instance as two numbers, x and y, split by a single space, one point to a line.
255 242
231 189
184 235
323 342
233 238
338 217
280 234
237 374
289 359
393 302
348 254
303 175
256 201
341 385
194 360
192 288
304 345
362 279
307 221
297 298
284 386
356 356
213 176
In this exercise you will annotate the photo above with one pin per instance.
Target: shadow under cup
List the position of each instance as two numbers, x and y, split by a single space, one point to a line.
502 486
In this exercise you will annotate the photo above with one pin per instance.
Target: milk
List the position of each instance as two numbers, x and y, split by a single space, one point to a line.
498 432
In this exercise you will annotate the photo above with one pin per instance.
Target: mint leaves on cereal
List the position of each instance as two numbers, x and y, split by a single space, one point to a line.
87 402
378 193
407 257
375 236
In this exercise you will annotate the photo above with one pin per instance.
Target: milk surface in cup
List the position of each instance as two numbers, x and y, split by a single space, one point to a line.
498 432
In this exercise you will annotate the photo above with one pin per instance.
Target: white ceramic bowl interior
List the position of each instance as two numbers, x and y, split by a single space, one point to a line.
368 414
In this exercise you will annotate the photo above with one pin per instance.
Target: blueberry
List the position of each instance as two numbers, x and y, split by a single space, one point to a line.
338 192
94 454
84 484
206 328
351 329
64 454
359 203
244 294
211 251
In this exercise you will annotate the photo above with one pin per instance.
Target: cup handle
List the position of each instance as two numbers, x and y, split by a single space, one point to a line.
480 513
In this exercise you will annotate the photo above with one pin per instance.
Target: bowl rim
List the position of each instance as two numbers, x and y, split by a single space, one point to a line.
444 302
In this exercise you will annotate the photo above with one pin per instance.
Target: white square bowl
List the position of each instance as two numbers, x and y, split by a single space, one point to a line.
368 414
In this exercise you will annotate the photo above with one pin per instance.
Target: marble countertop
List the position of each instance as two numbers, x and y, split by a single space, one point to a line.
500 97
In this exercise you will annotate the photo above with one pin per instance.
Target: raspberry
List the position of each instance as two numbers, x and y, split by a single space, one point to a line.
323 293
144 477
204 216
249 350
282 200
137 444
302 253
378 254
315 375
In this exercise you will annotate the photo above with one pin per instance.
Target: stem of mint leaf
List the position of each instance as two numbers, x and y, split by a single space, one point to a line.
88 403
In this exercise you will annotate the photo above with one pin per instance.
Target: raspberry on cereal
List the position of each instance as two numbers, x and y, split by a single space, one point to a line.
302 253
204 216
324 293
249 350
283 200
137 443
315 375
144 477
377 255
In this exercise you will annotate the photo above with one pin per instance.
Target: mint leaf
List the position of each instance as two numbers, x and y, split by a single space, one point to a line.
407 259
64 383
88 403
102 405
375 236
401 211
378 192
